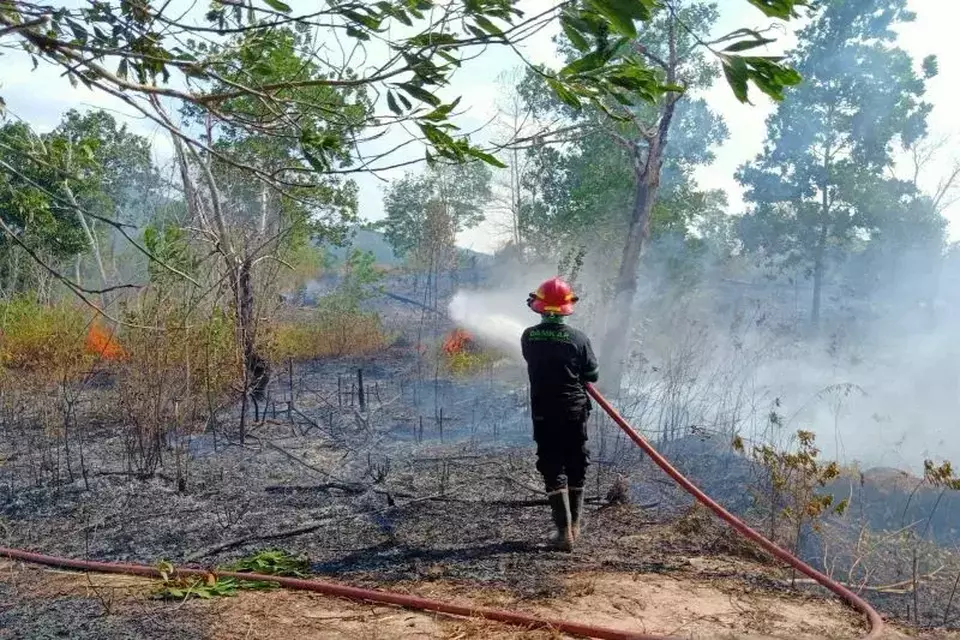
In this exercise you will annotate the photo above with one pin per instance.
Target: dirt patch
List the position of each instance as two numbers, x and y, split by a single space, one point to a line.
693 603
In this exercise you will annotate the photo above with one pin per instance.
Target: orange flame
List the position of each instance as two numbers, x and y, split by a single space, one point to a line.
102 345
457 341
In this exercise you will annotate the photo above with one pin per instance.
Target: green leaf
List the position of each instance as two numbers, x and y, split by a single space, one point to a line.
433 39
358 34
477 33
633 78
590 62
574 36
745 45
735 71
420 93
621 23
368 21
484 23
567 96
277 5
79 33
392 103
783 9
449 57
442 112
623 13
395 12
485 157
770 76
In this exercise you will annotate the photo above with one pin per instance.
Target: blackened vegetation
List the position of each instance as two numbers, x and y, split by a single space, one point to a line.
370 496
259 376
422 480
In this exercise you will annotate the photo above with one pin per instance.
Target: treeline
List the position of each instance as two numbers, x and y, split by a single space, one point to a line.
614 188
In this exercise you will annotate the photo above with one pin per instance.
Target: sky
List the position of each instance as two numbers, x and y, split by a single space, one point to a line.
40 97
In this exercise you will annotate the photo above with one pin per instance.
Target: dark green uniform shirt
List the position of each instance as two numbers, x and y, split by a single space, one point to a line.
559 361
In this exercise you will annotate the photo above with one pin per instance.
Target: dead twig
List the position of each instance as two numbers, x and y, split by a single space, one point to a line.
892 588
288 533
352 489
353 485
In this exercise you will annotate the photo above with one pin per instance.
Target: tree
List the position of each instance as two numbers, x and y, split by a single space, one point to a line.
426 212
829 144
125 176
74 184
604 191
251 226
37 218
898 267
158 61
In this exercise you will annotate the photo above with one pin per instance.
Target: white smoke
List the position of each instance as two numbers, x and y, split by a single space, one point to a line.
494 318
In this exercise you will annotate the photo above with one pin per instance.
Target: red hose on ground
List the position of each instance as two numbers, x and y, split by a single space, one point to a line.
509 617
873 618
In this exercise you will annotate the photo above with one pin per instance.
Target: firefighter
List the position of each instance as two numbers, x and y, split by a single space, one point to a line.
560 361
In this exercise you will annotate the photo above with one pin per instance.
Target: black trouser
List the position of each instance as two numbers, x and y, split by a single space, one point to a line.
562 455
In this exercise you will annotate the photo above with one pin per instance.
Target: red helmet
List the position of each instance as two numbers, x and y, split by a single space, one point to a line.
553 296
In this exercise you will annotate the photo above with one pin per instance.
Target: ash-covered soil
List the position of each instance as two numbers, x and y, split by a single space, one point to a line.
430 482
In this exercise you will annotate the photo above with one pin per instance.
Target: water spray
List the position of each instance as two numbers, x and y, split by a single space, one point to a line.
489 320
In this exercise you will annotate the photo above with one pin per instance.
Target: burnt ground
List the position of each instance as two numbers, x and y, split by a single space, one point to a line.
430 487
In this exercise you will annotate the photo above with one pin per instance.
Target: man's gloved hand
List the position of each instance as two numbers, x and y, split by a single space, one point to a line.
530 298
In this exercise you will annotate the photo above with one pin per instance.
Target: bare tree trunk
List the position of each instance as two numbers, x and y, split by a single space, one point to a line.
820 253
256 370
819 268
263 208
515 198
616 339
91 240
13 279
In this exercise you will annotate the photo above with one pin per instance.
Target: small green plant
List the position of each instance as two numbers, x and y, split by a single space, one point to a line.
789 480
465 364
359 282
175 587
273 562
204 588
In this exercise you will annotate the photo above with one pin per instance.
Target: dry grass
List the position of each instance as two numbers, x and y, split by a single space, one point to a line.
695 604
467 364
35 337
324 334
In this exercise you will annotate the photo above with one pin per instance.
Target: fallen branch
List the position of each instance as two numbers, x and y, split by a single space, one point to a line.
415 303
288 533
142 477
335 480
352 489
896 588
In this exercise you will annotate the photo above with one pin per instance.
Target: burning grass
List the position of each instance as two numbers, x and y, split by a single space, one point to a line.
463 357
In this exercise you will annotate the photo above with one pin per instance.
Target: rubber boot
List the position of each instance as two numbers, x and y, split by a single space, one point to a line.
560 507
576 510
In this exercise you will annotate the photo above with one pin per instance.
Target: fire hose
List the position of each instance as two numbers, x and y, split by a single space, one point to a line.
509 617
